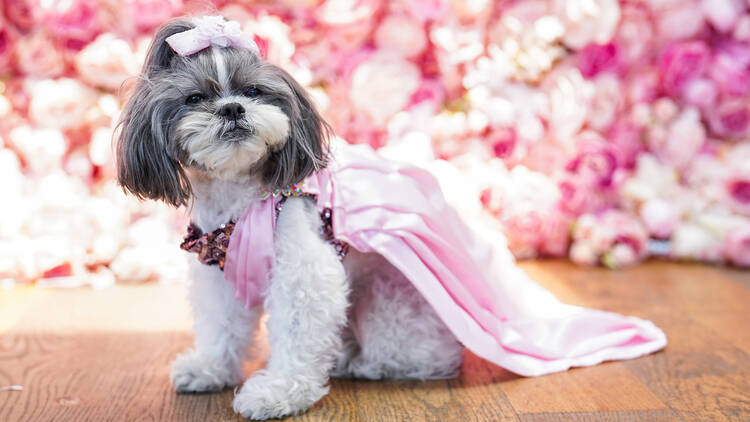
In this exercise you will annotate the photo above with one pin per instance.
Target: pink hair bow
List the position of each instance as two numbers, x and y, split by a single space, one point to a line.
211 31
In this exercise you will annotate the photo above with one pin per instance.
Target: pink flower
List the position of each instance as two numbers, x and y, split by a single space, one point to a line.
595 163
681 63
660 218
722 14
503 142
537 232
37 55
618 239
738 189
625 139
20 13
60 103
402 35
349 23
383 85
596 58
76 22
643 86
587 21
737 246
107 62
6 46
685 138
430 91
701 92
148 14
635 34
730 119
730 68
680 20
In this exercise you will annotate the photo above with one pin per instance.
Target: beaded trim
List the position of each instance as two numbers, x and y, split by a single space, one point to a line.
210 247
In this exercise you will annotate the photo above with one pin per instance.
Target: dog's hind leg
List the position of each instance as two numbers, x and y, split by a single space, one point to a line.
398 332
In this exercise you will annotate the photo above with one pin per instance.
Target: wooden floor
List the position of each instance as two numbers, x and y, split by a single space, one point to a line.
84 355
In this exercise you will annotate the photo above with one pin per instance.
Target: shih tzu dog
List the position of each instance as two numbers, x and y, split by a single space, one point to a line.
362 267
213 126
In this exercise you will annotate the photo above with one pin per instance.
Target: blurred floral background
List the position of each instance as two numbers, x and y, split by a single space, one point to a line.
602 131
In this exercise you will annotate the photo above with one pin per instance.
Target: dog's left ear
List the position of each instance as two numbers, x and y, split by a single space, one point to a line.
306 148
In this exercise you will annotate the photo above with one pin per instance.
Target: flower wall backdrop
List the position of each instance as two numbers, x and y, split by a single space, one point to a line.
600 130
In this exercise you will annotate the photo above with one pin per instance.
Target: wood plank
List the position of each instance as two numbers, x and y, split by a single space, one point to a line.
612 416
105 355
606 387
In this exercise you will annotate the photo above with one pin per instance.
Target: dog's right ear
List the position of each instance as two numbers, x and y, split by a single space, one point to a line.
145 165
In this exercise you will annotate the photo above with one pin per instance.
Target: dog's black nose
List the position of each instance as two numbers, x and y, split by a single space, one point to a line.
232 111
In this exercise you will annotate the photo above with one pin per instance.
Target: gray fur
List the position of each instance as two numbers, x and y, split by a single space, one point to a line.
151 147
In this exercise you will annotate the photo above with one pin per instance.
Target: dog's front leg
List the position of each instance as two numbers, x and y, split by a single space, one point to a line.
223 331
306 303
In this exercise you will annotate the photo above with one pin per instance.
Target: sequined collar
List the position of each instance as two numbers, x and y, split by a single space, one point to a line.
212 247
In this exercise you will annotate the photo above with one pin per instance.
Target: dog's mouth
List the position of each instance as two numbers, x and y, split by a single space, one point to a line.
237 131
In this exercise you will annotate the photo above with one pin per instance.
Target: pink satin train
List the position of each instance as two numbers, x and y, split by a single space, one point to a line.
490 305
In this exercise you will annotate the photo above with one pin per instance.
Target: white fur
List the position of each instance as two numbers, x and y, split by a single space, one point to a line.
199 137
360 318
221 66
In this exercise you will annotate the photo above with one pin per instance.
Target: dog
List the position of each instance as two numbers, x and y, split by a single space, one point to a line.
215 130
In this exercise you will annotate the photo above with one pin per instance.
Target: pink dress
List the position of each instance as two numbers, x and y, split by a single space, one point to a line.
489 304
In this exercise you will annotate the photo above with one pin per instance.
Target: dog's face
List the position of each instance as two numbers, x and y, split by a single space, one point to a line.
222 111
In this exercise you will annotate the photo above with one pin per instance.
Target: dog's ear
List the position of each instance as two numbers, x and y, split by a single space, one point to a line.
306 149
145 167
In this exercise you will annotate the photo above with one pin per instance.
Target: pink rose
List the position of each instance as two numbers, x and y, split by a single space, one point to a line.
681 21
660 218
503 142
618 238
349 23
556 239
730 119
402 35
383 85
701 92
430 91
625 139
148 14
587 21
60 103
6 47
681 63
738 189
534 232
685 138
596 58
20 13
635 34
595 163
643 86
737 246
38 56
74 21
107 62
578 196
730 68
722 14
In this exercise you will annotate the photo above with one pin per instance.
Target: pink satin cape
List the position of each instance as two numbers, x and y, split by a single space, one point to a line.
490 305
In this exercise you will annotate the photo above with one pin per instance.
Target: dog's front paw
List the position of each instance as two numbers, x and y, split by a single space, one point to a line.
196 373
267 396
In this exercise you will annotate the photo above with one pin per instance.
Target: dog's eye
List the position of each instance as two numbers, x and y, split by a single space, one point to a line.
252 92
194 99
